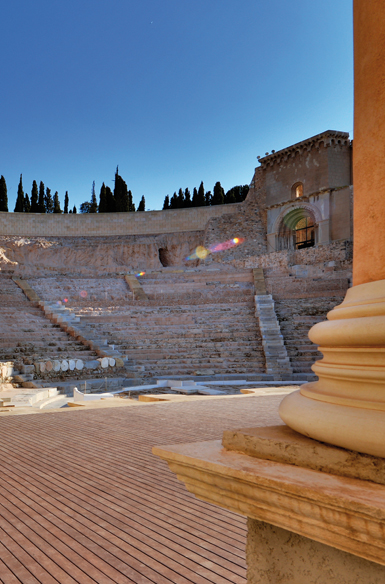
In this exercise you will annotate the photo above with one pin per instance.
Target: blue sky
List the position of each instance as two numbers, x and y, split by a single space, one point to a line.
172 91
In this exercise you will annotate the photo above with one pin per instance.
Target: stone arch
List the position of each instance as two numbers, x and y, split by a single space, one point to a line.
289 223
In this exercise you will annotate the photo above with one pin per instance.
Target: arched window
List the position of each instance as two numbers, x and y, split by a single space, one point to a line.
304 233
297 190
297 230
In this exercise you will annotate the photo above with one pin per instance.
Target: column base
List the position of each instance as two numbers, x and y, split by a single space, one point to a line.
354 428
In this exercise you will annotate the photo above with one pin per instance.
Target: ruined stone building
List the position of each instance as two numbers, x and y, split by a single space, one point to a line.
186 316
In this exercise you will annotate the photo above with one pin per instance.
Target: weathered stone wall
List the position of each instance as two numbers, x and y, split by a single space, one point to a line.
105 224
319 163
248 222
29 256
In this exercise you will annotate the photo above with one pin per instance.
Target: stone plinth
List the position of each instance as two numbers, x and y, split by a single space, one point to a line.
277 555
282 444
345 513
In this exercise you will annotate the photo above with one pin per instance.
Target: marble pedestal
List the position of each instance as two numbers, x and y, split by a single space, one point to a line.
273 476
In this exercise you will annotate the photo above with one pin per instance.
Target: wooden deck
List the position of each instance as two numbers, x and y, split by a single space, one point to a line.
83 500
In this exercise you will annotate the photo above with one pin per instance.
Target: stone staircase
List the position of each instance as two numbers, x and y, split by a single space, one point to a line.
26 336
296 319
277 360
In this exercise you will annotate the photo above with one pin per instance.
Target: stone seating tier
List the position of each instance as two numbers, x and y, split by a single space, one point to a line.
295 319
26 335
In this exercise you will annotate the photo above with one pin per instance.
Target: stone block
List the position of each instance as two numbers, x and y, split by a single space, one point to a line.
95 364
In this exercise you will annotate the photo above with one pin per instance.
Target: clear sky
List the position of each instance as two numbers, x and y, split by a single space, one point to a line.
172 91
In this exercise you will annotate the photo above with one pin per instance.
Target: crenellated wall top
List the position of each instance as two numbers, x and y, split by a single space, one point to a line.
328 139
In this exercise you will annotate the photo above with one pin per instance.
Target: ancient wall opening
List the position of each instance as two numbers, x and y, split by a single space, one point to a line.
298 230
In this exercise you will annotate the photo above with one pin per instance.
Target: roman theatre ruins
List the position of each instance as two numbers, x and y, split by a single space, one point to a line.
73 305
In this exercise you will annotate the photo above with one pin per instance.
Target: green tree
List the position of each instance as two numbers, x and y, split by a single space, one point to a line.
103 199
3 195
48 202
194 198
201 201
230 197
142 204
74 210
41 201
237 194
166 204
56 203
180 200
208 198
110 201
34 198
93 202
66 202
187 199
131 204
85 207
27 204
174 201
218 197
123 197
19 206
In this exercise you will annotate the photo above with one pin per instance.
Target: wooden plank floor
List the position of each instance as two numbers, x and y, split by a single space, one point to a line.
83 500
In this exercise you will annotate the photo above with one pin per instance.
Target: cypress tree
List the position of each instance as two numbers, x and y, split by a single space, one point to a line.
56 203
230 196
27 204
66 201
218 197
174 201
48 202
142 204
201 201
166 204
194 198
123 198
110 201
74 210
41 201
3 195
94 203
208 198
103 199
34 197
19 206
180 199
187 199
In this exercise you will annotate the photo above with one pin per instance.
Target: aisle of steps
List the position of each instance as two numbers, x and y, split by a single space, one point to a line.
25 333
193 322
296 319
277 360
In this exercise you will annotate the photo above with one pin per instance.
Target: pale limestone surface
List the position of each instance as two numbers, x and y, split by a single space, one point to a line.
278 556
282 444
345 513
346 407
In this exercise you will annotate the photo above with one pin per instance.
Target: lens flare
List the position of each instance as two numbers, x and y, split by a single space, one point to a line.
140 274
65 300
83 294
201 252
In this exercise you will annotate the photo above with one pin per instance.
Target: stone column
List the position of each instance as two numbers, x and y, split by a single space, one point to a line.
346 407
